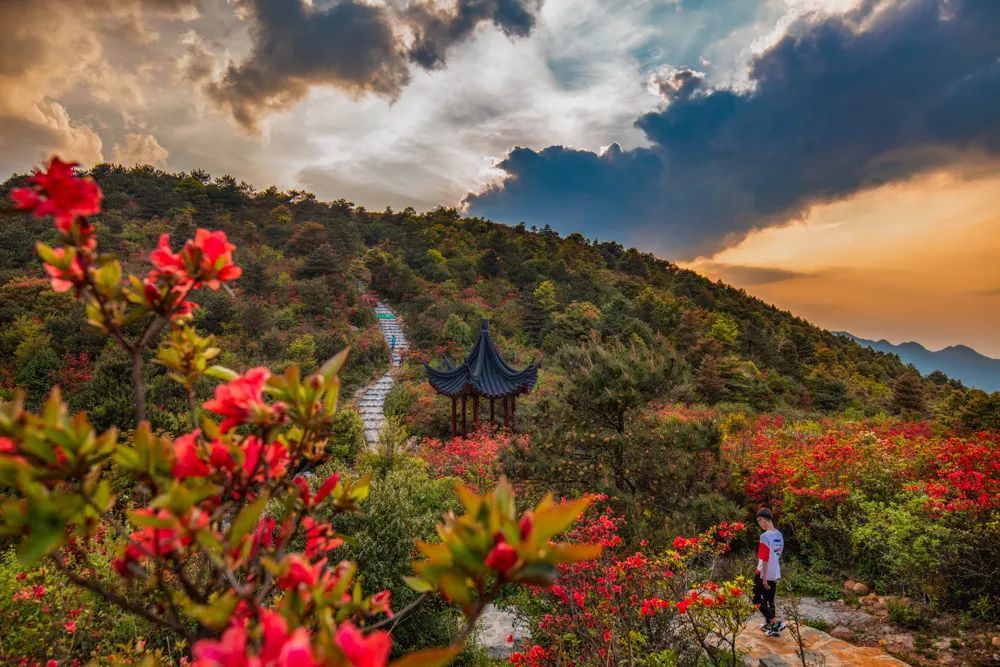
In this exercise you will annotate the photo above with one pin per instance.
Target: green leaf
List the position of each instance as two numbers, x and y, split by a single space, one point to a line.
40 542
453 585
558 518
418 584
221 373
571 553
334 364
431 657
247 519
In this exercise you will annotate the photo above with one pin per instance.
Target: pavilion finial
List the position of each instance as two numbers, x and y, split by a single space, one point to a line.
484 324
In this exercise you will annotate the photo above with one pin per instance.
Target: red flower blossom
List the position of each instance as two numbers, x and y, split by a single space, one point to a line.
279 647
300 573
241 401
526 525
70 626
371 650
502 557
187 462
68 276
205 260
59 192
262 459
320 537
380 603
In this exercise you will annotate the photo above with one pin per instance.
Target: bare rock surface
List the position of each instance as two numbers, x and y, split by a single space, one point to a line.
820 646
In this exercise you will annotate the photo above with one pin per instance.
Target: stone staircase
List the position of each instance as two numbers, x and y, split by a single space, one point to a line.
370 400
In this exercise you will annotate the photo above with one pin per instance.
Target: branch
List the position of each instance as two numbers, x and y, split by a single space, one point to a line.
399 614
119 600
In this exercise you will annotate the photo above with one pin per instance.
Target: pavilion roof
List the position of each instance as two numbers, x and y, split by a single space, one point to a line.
484 372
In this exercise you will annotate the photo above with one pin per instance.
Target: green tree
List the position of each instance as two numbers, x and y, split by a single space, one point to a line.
455 329
538 310
908 395
606 383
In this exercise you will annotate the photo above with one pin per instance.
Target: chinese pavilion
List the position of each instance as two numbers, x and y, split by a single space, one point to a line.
483 375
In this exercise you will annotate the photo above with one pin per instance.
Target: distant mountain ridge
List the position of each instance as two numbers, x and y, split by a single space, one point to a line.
956 361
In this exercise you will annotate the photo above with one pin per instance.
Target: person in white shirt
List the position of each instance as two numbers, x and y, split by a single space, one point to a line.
765 581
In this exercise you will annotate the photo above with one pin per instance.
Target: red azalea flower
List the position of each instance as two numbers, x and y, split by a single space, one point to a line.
380 603
59 192
282 649
166 299
300 573
273 457
371 650
241 401
187 462
502 557
65 278
230 651
205 260
527 523
70 626
320 537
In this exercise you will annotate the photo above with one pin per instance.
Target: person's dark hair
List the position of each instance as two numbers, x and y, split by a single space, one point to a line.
765 513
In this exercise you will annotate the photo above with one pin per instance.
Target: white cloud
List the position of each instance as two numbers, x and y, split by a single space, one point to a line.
139 149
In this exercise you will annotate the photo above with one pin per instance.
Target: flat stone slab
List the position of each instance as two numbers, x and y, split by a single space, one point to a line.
783 650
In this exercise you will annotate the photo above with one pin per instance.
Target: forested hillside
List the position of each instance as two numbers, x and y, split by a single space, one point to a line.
673 405
298 301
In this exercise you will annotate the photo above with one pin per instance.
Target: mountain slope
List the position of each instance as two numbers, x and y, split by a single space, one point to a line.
956 361
297 299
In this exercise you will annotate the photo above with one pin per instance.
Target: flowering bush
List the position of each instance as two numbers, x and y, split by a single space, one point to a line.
632 605
784 466
473 459
207 547
888 500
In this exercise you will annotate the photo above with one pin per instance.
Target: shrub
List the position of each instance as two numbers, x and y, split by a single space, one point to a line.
347 437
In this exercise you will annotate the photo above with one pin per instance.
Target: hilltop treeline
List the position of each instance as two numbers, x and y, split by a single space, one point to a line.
298 301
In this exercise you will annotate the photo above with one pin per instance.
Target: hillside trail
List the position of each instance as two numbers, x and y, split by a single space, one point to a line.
495 625
370 399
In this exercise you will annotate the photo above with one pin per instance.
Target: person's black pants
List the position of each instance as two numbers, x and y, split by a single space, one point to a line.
764 597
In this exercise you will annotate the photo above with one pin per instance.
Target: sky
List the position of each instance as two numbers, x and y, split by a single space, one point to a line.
839 158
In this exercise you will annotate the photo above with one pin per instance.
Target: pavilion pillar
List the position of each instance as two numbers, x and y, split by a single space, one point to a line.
493 420
506 412
454 410
513 413
465 425
475 411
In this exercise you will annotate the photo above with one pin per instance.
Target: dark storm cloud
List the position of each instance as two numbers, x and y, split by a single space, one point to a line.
678 84
835 108
437 29
349 44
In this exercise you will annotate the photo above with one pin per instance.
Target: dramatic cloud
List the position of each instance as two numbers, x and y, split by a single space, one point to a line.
836 106
59 51
677 84
349 44
139 149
